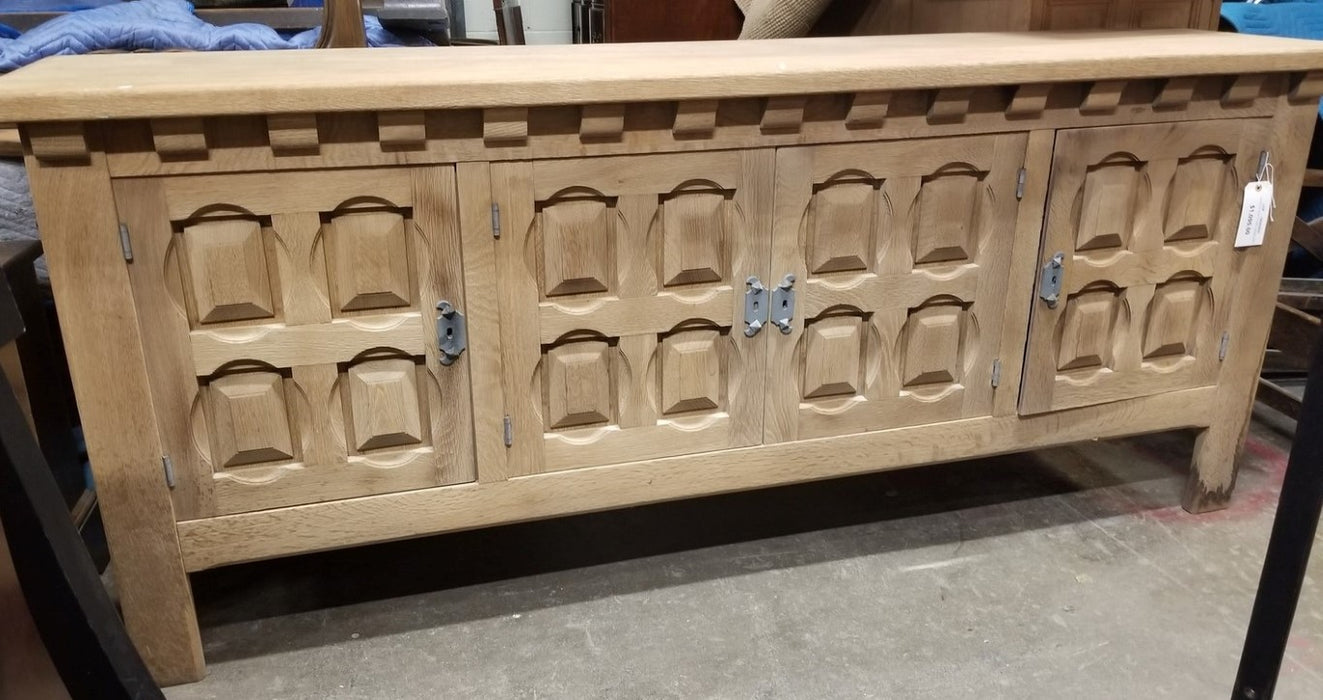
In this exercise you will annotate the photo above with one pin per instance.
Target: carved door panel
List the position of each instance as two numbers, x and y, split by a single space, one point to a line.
901 254
1145 219
289 321
622 304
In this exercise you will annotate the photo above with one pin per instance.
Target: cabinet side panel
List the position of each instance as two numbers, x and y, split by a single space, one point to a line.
76 216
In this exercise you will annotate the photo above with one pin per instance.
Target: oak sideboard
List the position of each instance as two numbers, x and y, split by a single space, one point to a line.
319 299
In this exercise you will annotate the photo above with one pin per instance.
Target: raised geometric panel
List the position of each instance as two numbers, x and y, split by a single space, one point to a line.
947 212
1195 197
833 350
1172 314
577 379
228 270
371 260
842 231
1087 325
694 238
577 246
692 369
383 402
931 344
1105 210
249 420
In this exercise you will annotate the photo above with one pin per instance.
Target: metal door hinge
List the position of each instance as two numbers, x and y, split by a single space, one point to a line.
169 468
496 220
996 373
124 243
1019 183
1049 284
1223 346
451 333
783 305
755 306
508 432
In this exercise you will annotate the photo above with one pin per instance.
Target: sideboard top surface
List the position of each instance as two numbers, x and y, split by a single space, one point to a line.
119 86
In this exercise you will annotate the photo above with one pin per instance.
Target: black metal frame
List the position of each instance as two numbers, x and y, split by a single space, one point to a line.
70 607
1292 539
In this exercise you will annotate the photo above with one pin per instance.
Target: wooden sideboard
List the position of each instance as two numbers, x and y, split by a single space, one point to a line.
314 300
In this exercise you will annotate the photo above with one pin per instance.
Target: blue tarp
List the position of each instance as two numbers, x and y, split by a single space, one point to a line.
1298 20
1295 20
153 25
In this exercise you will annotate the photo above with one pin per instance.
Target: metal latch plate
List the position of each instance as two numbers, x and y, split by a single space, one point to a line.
755 306
451 332
1049 284
783 304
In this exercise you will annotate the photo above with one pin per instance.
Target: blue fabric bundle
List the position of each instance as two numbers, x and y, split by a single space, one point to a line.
1298 20
154 25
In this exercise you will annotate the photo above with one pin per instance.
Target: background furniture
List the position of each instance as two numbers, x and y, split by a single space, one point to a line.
360 296
643 20
925 16
1295 331
34 360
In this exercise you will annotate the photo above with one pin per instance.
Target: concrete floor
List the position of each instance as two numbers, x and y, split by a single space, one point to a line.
1066 573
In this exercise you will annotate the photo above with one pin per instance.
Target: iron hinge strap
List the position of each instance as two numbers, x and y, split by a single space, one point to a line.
996 373
1224 346
1019 183
508 432
496 220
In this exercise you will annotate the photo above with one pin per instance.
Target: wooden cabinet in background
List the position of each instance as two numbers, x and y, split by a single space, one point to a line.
692 20
932 16
1122 14
319 300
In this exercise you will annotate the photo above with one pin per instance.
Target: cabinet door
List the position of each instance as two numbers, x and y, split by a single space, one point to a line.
1144 218
622 286
901 254
289 321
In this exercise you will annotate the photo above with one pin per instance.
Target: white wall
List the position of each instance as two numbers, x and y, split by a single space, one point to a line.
545 21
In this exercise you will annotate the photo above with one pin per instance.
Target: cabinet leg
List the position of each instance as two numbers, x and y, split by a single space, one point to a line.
100 326
1213 470
157 605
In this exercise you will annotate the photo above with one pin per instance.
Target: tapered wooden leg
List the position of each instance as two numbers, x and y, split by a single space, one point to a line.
89 275
1213 469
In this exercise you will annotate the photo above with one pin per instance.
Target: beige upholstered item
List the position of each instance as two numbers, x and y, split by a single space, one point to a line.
779 19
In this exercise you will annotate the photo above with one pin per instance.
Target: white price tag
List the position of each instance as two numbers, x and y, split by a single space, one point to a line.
1254 214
